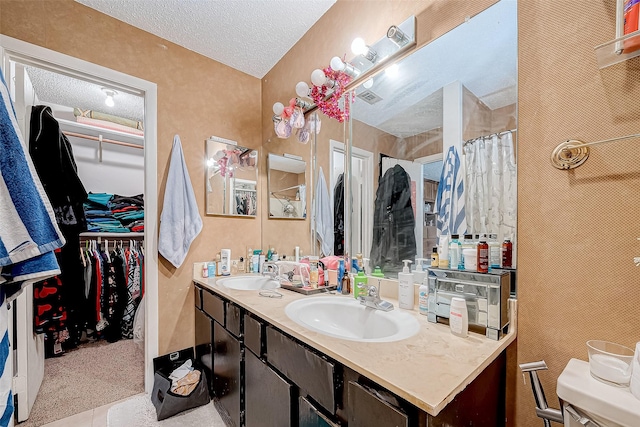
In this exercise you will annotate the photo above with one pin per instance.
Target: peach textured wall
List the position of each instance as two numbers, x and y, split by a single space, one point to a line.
197 98
577 230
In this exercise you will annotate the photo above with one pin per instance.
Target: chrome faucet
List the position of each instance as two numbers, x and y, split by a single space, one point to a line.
372 299
271 270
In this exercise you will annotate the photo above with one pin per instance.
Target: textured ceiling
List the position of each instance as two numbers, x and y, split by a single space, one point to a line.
481 54
248 35
59 89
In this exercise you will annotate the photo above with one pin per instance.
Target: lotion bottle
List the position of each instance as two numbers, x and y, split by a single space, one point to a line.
459 317
423 297
405 287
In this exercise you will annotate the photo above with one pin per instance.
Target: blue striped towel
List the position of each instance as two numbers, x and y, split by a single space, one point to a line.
450 198
28 233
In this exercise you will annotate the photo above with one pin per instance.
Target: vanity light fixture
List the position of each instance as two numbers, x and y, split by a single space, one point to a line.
337 64
110 94
318 78
397 36
359 47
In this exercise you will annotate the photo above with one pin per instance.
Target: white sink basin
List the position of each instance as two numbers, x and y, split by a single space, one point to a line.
346 318
248 283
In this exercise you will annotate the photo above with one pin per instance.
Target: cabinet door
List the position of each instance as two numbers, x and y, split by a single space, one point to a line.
309 416
366 410
268 396
227 371
307 369
204 346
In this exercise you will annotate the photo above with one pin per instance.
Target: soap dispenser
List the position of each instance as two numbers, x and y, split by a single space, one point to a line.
405 287
419 273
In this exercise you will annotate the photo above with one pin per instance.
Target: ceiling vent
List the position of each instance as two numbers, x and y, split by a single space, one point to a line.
370 97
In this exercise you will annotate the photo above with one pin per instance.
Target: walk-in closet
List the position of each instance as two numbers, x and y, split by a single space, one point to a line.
84 340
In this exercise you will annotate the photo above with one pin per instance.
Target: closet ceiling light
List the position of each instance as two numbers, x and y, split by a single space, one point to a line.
110 94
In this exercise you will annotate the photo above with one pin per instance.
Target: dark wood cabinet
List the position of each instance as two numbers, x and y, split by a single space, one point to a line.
282 382
204 346
228 363
268 396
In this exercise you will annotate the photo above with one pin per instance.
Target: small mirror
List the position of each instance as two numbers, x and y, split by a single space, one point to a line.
287 187
231 179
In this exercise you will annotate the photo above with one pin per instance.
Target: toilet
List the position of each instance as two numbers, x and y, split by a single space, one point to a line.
585 397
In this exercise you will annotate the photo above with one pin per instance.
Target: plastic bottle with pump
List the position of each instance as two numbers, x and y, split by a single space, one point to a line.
405 287
419 273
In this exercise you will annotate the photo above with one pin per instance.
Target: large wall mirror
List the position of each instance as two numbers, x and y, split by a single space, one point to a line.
231 179
441 119
287 187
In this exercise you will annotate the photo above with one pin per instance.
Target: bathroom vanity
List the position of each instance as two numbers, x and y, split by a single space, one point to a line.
266 370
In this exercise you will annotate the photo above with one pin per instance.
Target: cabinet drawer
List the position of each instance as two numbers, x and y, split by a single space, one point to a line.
234 319
366 409
309 416
253 335
309 371
198 297
213 306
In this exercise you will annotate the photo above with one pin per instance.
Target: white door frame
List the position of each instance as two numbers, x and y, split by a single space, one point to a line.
20 51
367 159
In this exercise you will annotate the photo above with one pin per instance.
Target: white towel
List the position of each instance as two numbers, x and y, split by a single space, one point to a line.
180 220
322 216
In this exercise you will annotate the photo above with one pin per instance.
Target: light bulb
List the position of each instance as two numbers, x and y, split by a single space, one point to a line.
109 101
110 94
302 89
368 84
392 70
358 46
336 64
210 162
318 78
278 108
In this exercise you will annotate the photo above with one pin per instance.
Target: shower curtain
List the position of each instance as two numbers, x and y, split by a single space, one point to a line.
491 186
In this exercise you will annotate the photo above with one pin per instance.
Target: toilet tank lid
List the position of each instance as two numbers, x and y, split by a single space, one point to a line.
577 387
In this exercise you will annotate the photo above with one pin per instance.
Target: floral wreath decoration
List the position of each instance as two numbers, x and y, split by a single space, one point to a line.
331 106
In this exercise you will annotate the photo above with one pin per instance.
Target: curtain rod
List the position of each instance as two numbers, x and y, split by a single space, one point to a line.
488 136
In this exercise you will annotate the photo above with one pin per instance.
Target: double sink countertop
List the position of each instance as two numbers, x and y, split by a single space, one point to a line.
428 369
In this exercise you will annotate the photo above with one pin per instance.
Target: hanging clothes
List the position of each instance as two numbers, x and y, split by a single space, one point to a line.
393 221
53 159
338 216
324 228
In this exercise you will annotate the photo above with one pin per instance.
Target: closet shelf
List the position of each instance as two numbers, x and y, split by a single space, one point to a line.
71 126
111 235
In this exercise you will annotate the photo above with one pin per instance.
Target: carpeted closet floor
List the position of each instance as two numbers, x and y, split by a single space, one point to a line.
90 376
